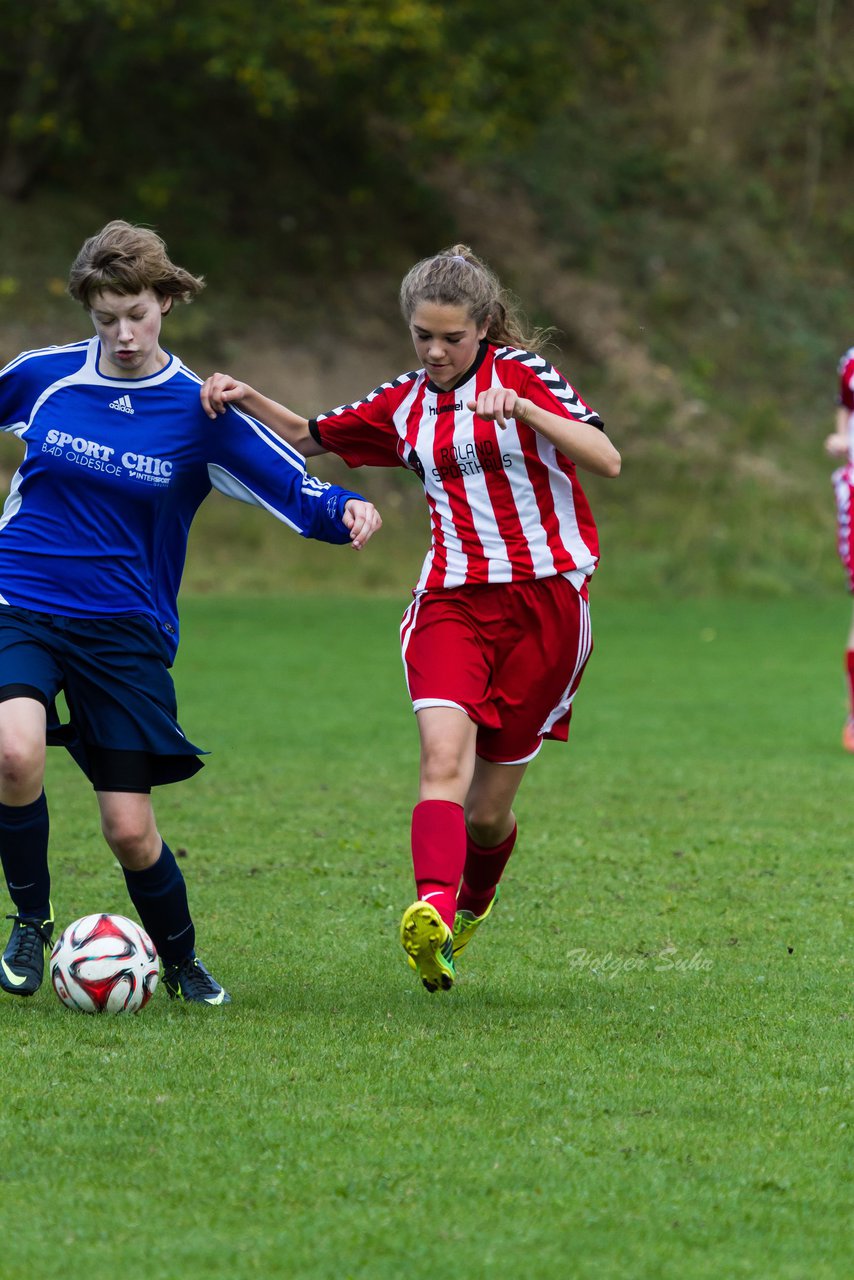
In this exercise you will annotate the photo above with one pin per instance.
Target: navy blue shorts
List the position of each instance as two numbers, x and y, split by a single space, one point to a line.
122 730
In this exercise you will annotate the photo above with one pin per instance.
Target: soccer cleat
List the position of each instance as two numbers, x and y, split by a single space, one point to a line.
190 982
466 924
22 963
429 944
848 734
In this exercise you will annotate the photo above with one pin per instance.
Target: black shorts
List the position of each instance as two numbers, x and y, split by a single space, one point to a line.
114 672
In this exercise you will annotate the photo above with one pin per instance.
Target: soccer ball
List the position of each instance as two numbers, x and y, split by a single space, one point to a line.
104 964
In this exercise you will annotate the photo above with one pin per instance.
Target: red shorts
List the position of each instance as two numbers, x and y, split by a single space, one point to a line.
843 486
511 655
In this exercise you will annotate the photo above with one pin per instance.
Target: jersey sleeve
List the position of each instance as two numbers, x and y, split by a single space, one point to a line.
19 390
250 463
25 379
551 391
363 434
538 380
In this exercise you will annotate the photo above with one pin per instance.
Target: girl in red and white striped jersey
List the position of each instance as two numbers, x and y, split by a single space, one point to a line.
498 634
840 444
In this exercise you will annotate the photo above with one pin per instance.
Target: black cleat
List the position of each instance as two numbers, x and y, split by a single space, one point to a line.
22 963
190 981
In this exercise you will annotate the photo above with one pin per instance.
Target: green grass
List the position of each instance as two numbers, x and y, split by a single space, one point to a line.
642 1069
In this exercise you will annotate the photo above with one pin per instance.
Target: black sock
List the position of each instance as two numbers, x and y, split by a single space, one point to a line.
24 833
160 896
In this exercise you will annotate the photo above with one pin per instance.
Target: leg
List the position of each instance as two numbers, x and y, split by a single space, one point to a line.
489 803
158 891
848 728
447 753
129 828
24 822
539 661
491 837
153 878
844 493
24 833
438 841
438 822
23 727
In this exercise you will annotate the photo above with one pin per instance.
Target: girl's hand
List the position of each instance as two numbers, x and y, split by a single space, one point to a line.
497 404
581 442
219 390
362 519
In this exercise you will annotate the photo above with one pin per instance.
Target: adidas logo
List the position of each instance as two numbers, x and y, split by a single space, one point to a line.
123 404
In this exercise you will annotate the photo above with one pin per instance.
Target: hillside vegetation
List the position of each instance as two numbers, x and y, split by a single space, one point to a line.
666 185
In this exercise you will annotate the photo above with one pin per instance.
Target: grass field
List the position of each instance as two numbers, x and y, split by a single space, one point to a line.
642 1069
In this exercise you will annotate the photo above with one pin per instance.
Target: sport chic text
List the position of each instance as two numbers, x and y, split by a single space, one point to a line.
99 457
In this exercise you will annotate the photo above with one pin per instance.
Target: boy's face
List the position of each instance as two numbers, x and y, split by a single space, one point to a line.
128 326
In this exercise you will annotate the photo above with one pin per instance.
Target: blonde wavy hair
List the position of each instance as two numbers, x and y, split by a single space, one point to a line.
456 277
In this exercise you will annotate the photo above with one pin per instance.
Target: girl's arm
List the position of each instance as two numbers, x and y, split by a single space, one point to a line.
583 444
838 442
220 389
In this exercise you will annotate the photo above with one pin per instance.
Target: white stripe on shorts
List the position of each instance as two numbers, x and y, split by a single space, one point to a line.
407 626
584 647
420 703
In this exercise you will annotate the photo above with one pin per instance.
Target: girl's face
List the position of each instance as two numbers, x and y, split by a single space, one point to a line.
128 326
446 340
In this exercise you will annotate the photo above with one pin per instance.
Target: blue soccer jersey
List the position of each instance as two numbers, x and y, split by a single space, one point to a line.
97 518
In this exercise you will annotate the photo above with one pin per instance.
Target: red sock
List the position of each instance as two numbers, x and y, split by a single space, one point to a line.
438 853
482 872
849 669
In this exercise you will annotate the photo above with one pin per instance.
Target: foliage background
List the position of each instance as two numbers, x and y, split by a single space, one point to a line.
667 185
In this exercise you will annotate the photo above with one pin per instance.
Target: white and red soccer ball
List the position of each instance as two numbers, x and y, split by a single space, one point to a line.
104 964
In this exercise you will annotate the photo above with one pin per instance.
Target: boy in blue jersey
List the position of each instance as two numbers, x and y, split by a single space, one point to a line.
93 536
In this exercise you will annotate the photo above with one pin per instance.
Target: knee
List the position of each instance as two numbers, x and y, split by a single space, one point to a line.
442 763
486 830
488 822
134 842
21 770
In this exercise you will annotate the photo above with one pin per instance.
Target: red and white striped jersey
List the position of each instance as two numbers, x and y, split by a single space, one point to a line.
845 399
505 505
846 383
846 380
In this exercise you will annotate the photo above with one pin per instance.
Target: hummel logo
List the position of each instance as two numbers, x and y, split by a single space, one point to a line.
123 403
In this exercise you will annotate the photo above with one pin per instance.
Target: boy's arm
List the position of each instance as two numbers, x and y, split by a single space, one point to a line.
246 462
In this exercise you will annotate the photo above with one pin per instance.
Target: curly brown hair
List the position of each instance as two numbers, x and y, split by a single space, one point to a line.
127 259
